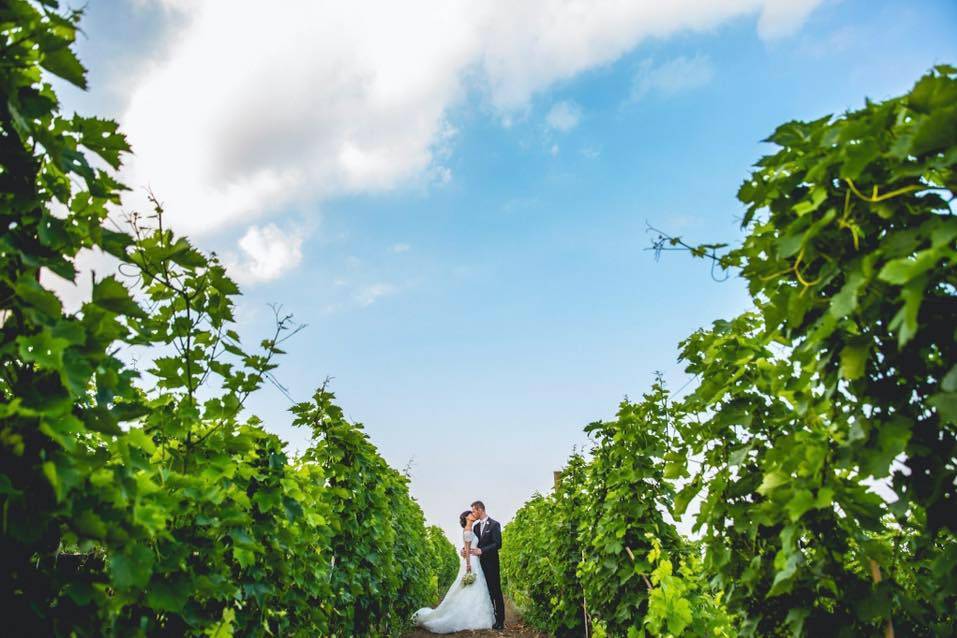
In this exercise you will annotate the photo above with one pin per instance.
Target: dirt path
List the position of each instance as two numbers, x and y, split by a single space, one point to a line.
514 628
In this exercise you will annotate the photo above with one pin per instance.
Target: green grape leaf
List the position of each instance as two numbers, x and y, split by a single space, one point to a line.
60 60
946 405
949 382
110 294
771 481
854 360
132 567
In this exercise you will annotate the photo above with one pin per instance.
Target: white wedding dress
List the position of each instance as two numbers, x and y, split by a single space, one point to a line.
464 607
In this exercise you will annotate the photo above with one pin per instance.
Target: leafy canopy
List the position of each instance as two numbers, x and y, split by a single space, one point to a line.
154 504
841 377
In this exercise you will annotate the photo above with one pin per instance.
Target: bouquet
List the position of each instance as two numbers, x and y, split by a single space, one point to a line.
468 579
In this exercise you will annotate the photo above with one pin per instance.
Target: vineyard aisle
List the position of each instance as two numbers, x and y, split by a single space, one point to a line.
514 628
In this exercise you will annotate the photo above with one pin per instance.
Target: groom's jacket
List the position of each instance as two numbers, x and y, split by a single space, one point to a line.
489 540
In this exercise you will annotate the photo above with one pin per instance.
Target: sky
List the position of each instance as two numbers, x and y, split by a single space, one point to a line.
454 197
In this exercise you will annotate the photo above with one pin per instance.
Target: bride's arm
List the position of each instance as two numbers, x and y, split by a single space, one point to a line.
468 555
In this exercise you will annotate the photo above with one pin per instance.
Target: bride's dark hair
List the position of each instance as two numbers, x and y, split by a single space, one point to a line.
464 515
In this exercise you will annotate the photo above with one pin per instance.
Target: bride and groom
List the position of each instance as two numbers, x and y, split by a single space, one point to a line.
474 601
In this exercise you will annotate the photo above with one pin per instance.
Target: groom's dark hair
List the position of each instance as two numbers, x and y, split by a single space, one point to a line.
479 504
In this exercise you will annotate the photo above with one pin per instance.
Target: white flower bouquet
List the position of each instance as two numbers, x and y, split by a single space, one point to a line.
468 579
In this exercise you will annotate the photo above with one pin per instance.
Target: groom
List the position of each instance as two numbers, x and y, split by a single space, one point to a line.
489 534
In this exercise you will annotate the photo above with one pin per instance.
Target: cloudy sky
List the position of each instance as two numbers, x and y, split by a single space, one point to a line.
454 196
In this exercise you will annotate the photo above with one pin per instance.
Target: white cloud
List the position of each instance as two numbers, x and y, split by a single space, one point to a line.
368 295
266 253
670 78
781 18
248 112
401 248
564 116
553 151
441 175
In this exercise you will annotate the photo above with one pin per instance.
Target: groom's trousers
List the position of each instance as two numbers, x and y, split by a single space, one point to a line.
493 579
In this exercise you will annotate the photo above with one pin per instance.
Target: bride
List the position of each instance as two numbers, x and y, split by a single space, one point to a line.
464 606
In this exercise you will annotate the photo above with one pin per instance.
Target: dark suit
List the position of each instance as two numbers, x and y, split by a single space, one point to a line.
490 541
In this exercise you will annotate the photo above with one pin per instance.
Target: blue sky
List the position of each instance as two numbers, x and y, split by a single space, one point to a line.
472 266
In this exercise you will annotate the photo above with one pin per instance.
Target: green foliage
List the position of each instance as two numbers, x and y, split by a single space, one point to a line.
444 559
150 504
682 603
541 552
628 493
591 548
380 569
842 376
60 377
527 567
